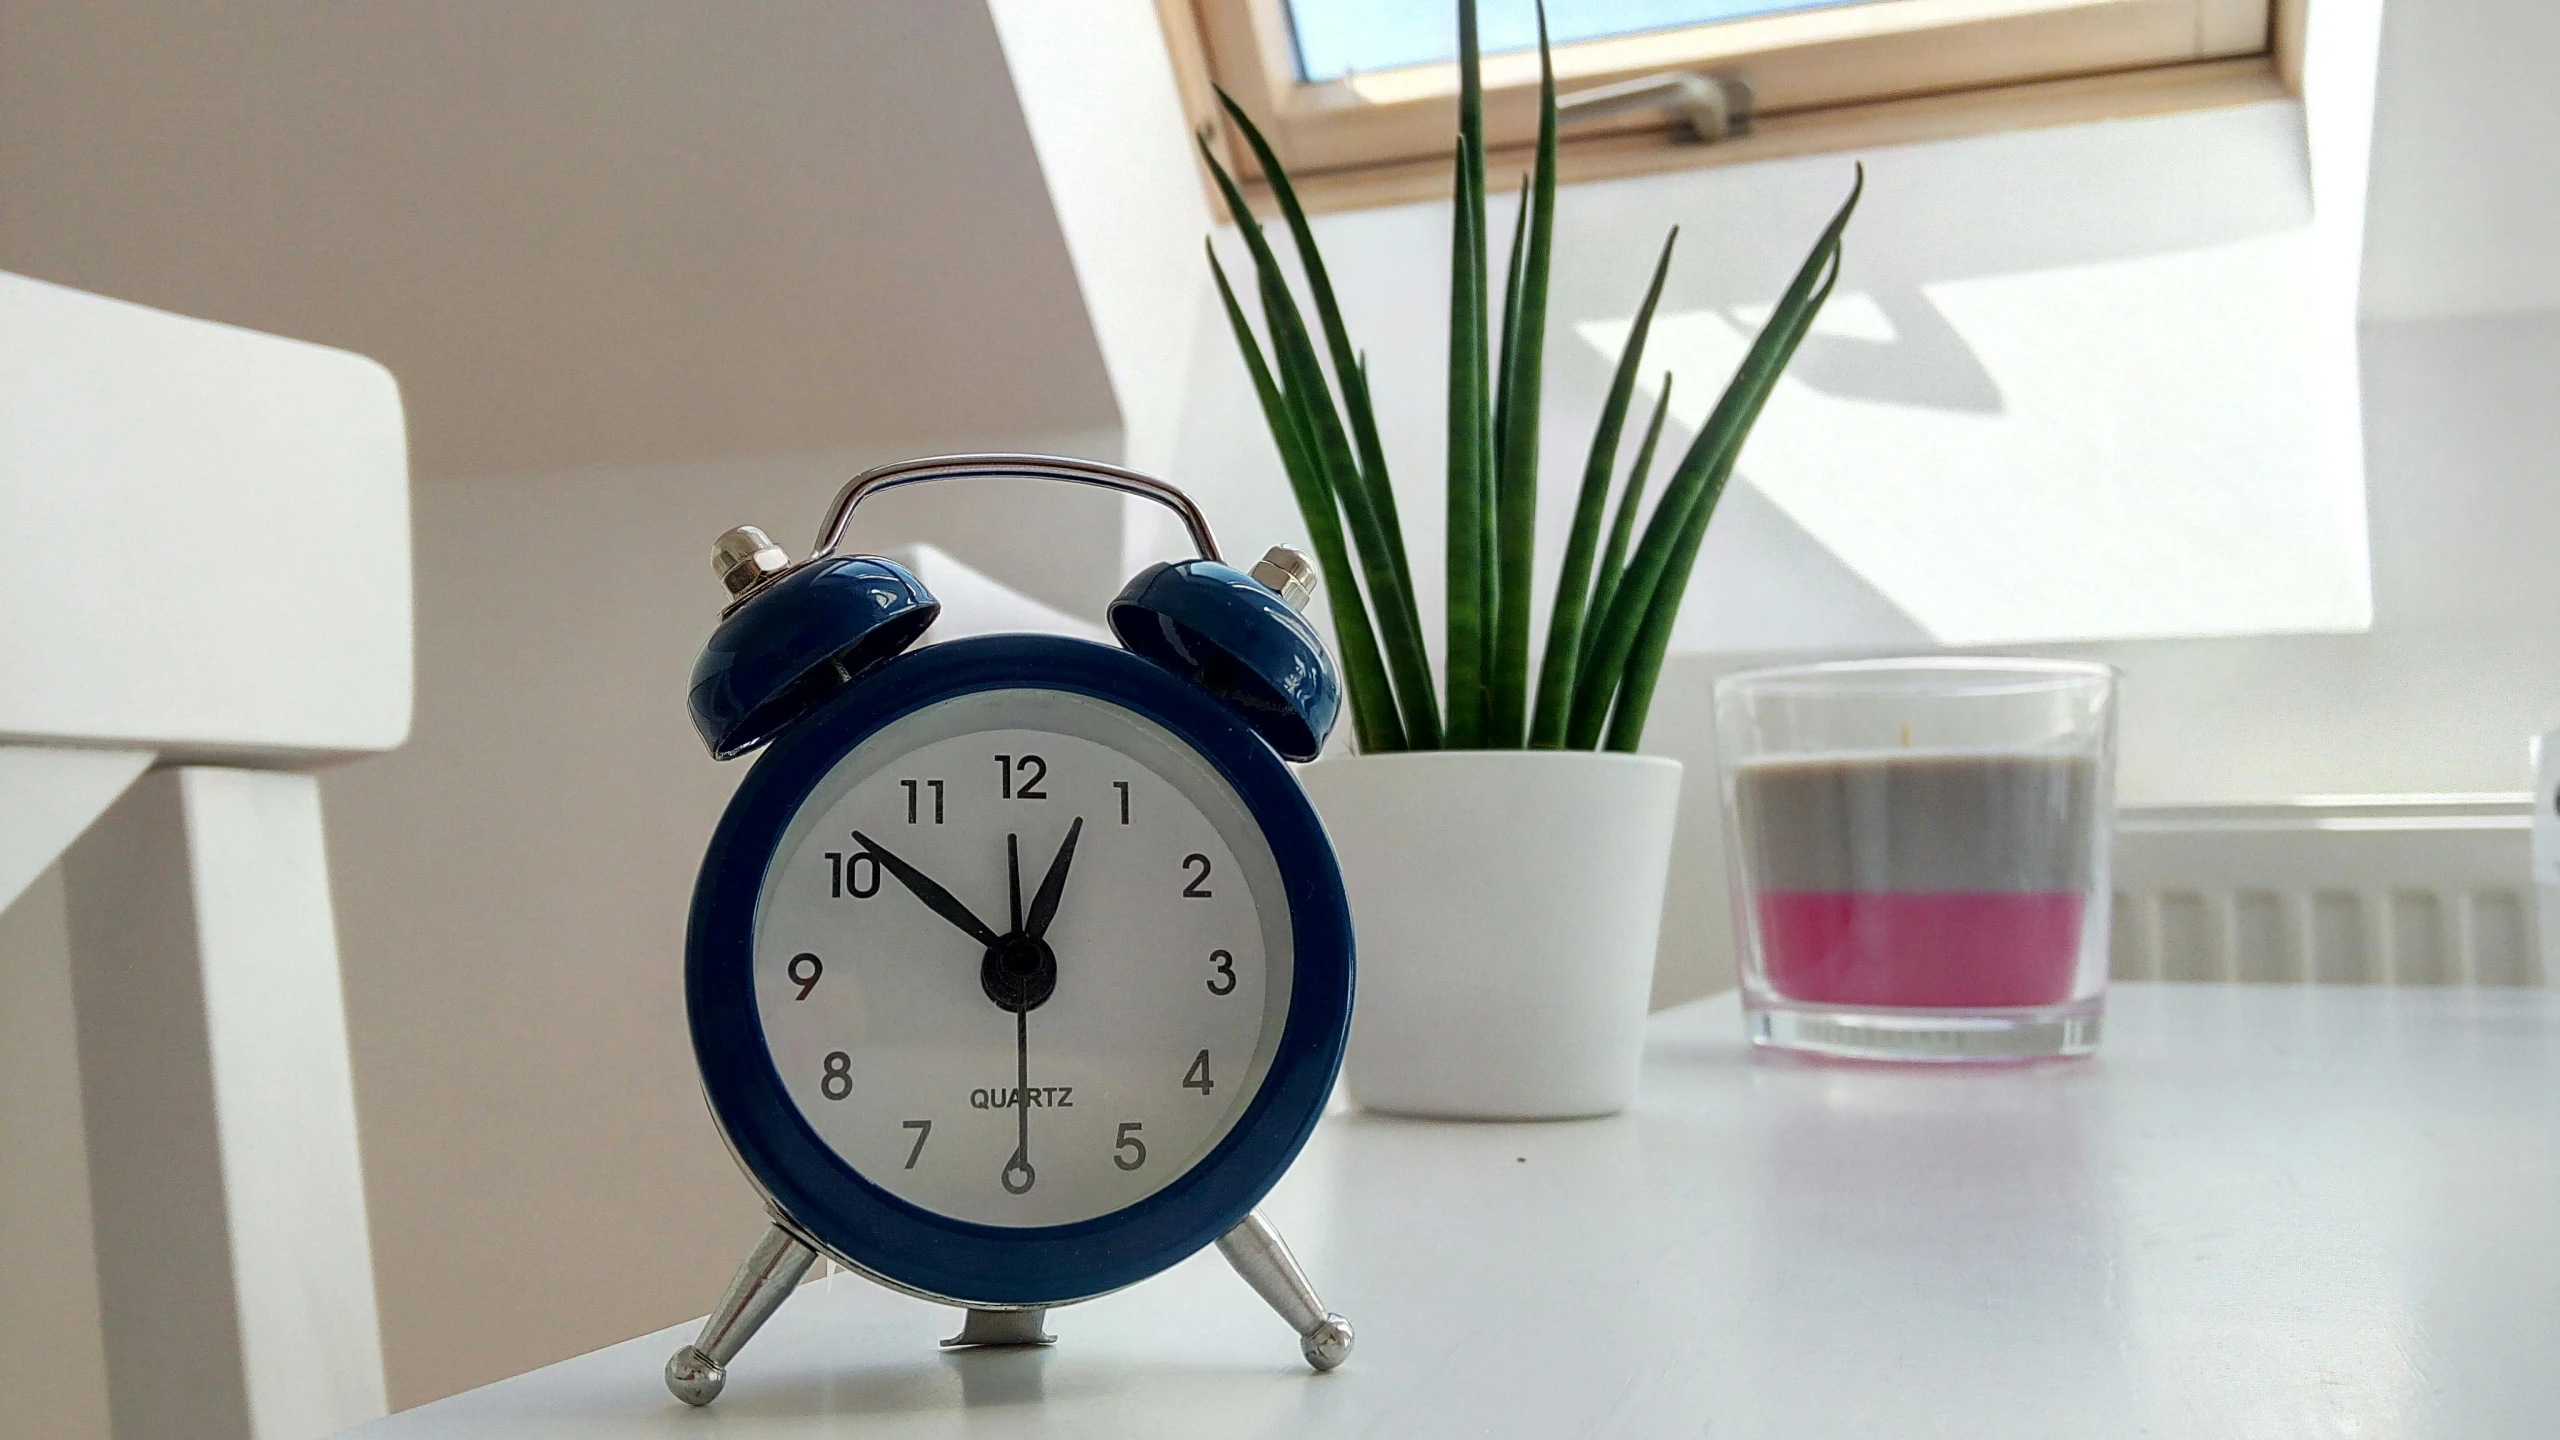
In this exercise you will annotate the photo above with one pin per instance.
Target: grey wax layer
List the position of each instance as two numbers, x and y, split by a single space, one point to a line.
1920 823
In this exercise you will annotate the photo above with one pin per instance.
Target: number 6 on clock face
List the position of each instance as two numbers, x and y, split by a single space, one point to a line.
1022 978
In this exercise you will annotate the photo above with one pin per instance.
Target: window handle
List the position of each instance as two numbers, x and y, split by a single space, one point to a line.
1704 108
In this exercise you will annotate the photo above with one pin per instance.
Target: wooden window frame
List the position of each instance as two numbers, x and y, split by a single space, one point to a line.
1855 77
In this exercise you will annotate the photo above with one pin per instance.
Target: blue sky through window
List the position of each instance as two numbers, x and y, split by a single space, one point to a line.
1341 37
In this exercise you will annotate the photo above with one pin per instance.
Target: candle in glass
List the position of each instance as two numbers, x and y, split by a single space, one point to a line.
1919 852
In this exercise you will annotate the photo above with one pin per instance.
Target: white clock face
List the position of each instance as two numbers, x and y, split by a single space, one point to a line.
1031 1067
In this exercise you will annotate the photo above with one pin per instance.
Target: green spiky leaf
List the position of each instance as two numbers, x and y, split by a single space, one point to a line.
1516 490
1613 556
1470 480
1582 542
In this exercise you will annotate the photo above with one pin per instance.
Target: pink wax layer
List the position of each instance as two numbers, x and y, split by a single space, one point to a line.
1936 950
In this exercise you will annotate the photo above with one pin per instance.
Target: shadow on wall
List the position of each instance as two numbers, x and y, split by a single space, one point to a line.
2119 414
1889 344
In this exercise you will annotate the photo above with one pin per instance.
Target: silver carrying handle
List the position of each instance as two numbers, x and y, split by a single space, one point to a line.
1010 467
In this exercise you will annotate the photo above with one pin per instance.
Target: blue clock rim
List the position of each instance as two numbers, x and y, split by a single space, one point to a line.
937 1255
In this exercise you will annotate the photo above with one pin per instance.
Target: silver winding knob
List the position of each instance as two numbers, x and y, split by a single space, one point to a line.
1289 573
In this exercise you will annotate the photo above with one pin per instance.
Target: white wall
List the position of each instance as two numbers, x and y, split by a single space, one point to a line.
2462 417
2461 374
49 1325
2465 203
1098 97
581 233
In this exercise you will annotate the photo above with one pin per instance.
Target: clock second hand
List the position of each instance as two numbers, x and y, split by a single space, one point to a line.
1021 1161
1044 908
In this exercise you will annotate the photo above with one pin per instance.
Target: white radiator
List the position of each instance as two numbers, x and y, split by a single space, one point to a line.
2397 890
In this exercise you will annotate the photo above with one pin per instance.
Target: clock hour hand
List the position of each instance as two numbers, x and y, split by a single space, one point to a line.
942 902
1053 886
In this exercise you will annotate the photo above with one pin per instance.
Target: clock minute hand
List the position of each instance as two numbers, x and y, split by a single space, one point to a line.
1013 876
1053 886
942 902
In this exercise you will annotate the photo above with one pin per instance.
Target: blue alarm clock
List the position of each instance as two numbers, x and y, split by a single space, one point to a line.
1019 967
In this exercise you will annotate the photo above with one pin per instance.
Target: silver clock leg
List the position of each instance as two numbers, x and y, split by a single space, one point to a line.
1263 1259
1002 1327
696 1372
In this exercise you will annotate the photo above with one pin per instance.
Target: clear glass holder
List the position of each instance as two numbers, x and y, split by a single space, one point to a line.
1927 1037
1919 854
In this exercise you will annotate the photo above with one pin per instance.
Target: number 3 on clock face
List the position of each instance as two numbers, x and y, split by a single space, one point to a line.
1022 958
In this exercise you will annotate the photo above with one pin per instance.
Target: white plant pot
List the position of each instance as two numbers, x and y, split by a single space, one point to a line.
1506 904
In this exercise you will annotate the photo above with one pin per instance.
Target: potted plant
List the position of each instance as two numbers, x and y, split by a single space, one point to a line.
1505 846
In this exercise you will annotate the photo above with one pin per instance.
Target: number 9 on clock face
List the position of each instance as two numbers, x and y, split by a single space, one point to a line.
1022 958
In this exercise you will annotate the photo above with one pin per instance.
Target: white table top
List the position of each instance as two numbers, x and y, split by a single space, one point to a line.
2259 1212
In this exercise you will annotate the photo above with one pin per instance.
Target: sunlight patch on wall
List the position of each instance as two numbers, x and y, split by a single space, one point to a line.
1979 454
